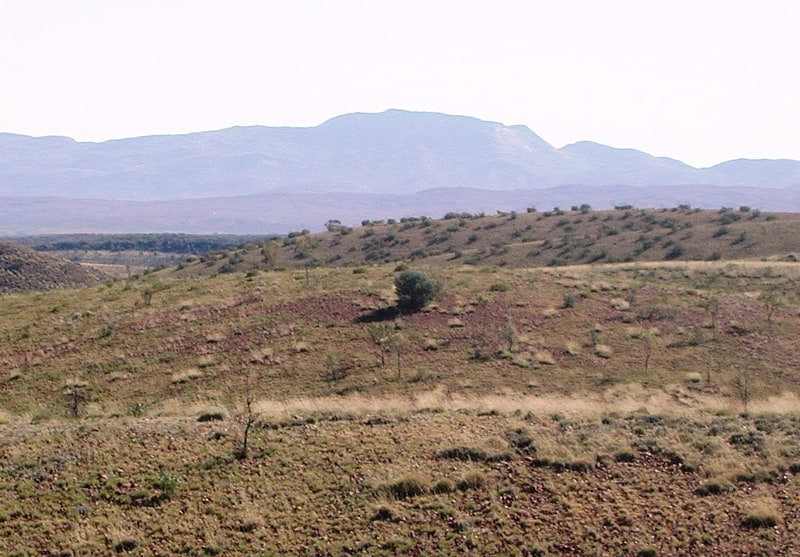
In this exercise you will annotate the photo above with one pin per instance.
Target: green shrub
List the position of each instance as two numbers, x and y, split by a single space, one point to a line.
415 290
168 484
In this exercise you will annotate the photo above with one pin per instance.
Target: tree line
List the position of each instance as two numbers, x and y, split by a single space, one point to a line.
189 244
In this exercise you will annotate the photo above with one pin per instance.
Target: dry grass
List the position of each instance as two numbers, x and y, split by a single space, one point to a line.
172 485
539 443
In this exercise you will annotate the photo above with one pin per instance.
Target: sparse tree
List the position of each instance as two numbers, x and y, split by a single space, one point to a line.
333 225
380 333
304 246
741 384
247 419
509 335
270 251
712 306
77 395
337 369
397 344
771 300
648 338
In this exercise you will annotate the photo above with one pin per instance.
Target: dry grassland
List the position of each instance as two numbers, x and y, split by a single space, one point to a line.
631 409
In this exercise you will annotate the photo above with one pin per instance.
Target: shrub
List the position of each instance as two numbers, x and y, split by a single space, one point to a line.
521 440
124 544
760 518
212 416
443 486
415 290
168 484
474 454
473 480
676 252
570 301
406 488
385 513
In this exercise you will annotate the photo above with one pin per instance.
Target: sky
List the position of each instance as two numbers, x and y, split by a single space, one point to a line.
702 81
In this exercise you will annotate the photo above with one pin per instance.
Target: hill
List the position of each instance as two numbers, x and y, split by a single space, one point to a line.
279 213
617 409
557 237
23 269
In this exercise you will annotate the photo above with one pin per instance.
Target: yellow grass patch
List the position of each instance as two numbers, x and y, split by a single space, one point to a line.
185 376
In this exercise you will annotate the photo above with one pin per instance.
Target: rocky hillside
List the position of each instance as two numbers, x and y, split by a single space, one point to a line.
23 269
557 237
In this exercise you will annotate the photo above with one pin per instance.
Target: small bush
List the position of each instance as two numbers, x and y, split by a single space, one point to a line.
474 454
212 416
713 487
676 252
760 518
624 456
443 486
406 488
473 480
464 453
570 300
168 484
125 544
415 290
385 513
521 440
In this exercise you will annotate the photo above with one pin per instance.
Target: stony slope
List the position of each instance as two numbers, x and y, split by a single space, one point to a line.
609 410
23 269
529 239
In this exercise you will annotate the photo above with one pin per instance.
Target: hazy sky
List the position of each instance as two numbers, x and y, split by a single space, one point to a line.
698 80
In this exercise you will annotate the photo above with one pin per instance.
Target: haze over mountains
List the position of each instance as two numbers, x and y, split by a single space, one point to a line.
353 167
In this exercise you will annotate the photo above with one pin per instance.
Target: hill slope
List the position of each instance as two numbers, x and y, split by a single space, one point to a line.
606 410
23 269
530 239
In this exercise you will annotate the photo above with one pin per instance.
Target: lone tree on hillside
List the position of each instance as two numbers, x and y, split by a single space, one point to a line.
415 290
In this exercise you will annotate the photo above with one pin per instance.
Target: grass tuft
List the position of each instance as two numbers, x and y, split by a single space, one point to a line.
472 480
406 488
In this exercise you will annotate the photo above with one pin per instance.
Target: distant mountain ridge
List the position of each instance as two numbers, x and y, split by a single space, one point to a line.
397 161
390 152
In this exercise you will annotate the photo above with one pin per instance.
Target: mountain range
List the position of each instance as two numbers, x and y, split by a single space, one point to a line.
353 167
